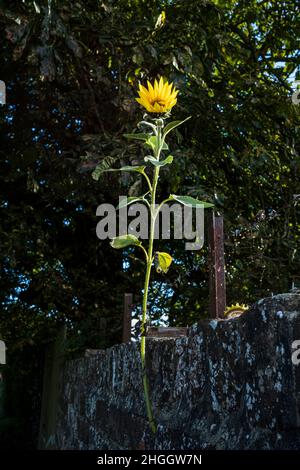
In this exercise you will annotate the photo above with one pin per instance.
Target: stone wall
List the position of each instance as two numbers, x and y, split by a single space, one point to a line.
229 384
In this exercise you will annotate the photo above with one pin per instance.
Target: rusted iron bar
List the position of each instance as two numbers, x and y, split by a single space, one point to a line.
128 301
217 287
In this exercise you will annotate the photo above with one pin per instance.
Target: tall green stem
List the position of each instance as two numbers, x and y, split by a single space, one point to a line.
153 214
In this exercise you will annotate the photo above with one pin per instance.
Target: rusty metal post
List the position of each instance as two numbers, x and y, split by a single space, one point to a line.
128 301
217 288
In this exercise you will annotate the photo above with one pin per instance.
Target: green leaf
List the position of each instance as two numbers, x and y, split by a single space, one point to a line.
98 171
169 127
138 169
162 261
125 240
151 142
190 201
106 163
155 162
129 200
142 137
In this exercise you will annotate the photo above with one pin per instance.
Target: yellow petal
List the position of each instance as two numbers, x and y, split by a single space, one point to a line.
161 85
150 89
144 94
145 104
164 92
156 107
141 87
159 97
169 88
172 103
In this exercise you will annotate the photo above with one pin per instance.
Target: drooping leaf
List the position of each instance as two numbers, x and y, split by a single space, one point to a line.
155 162
99 170
162 261
106 163
125 240
191 201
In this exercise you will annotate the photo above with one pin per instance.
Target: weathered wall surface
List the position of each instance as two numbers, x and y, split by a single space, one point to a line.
230 384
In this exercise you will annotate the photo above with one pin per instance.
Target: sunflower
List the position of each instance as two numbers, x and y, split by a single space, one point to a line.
157 98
